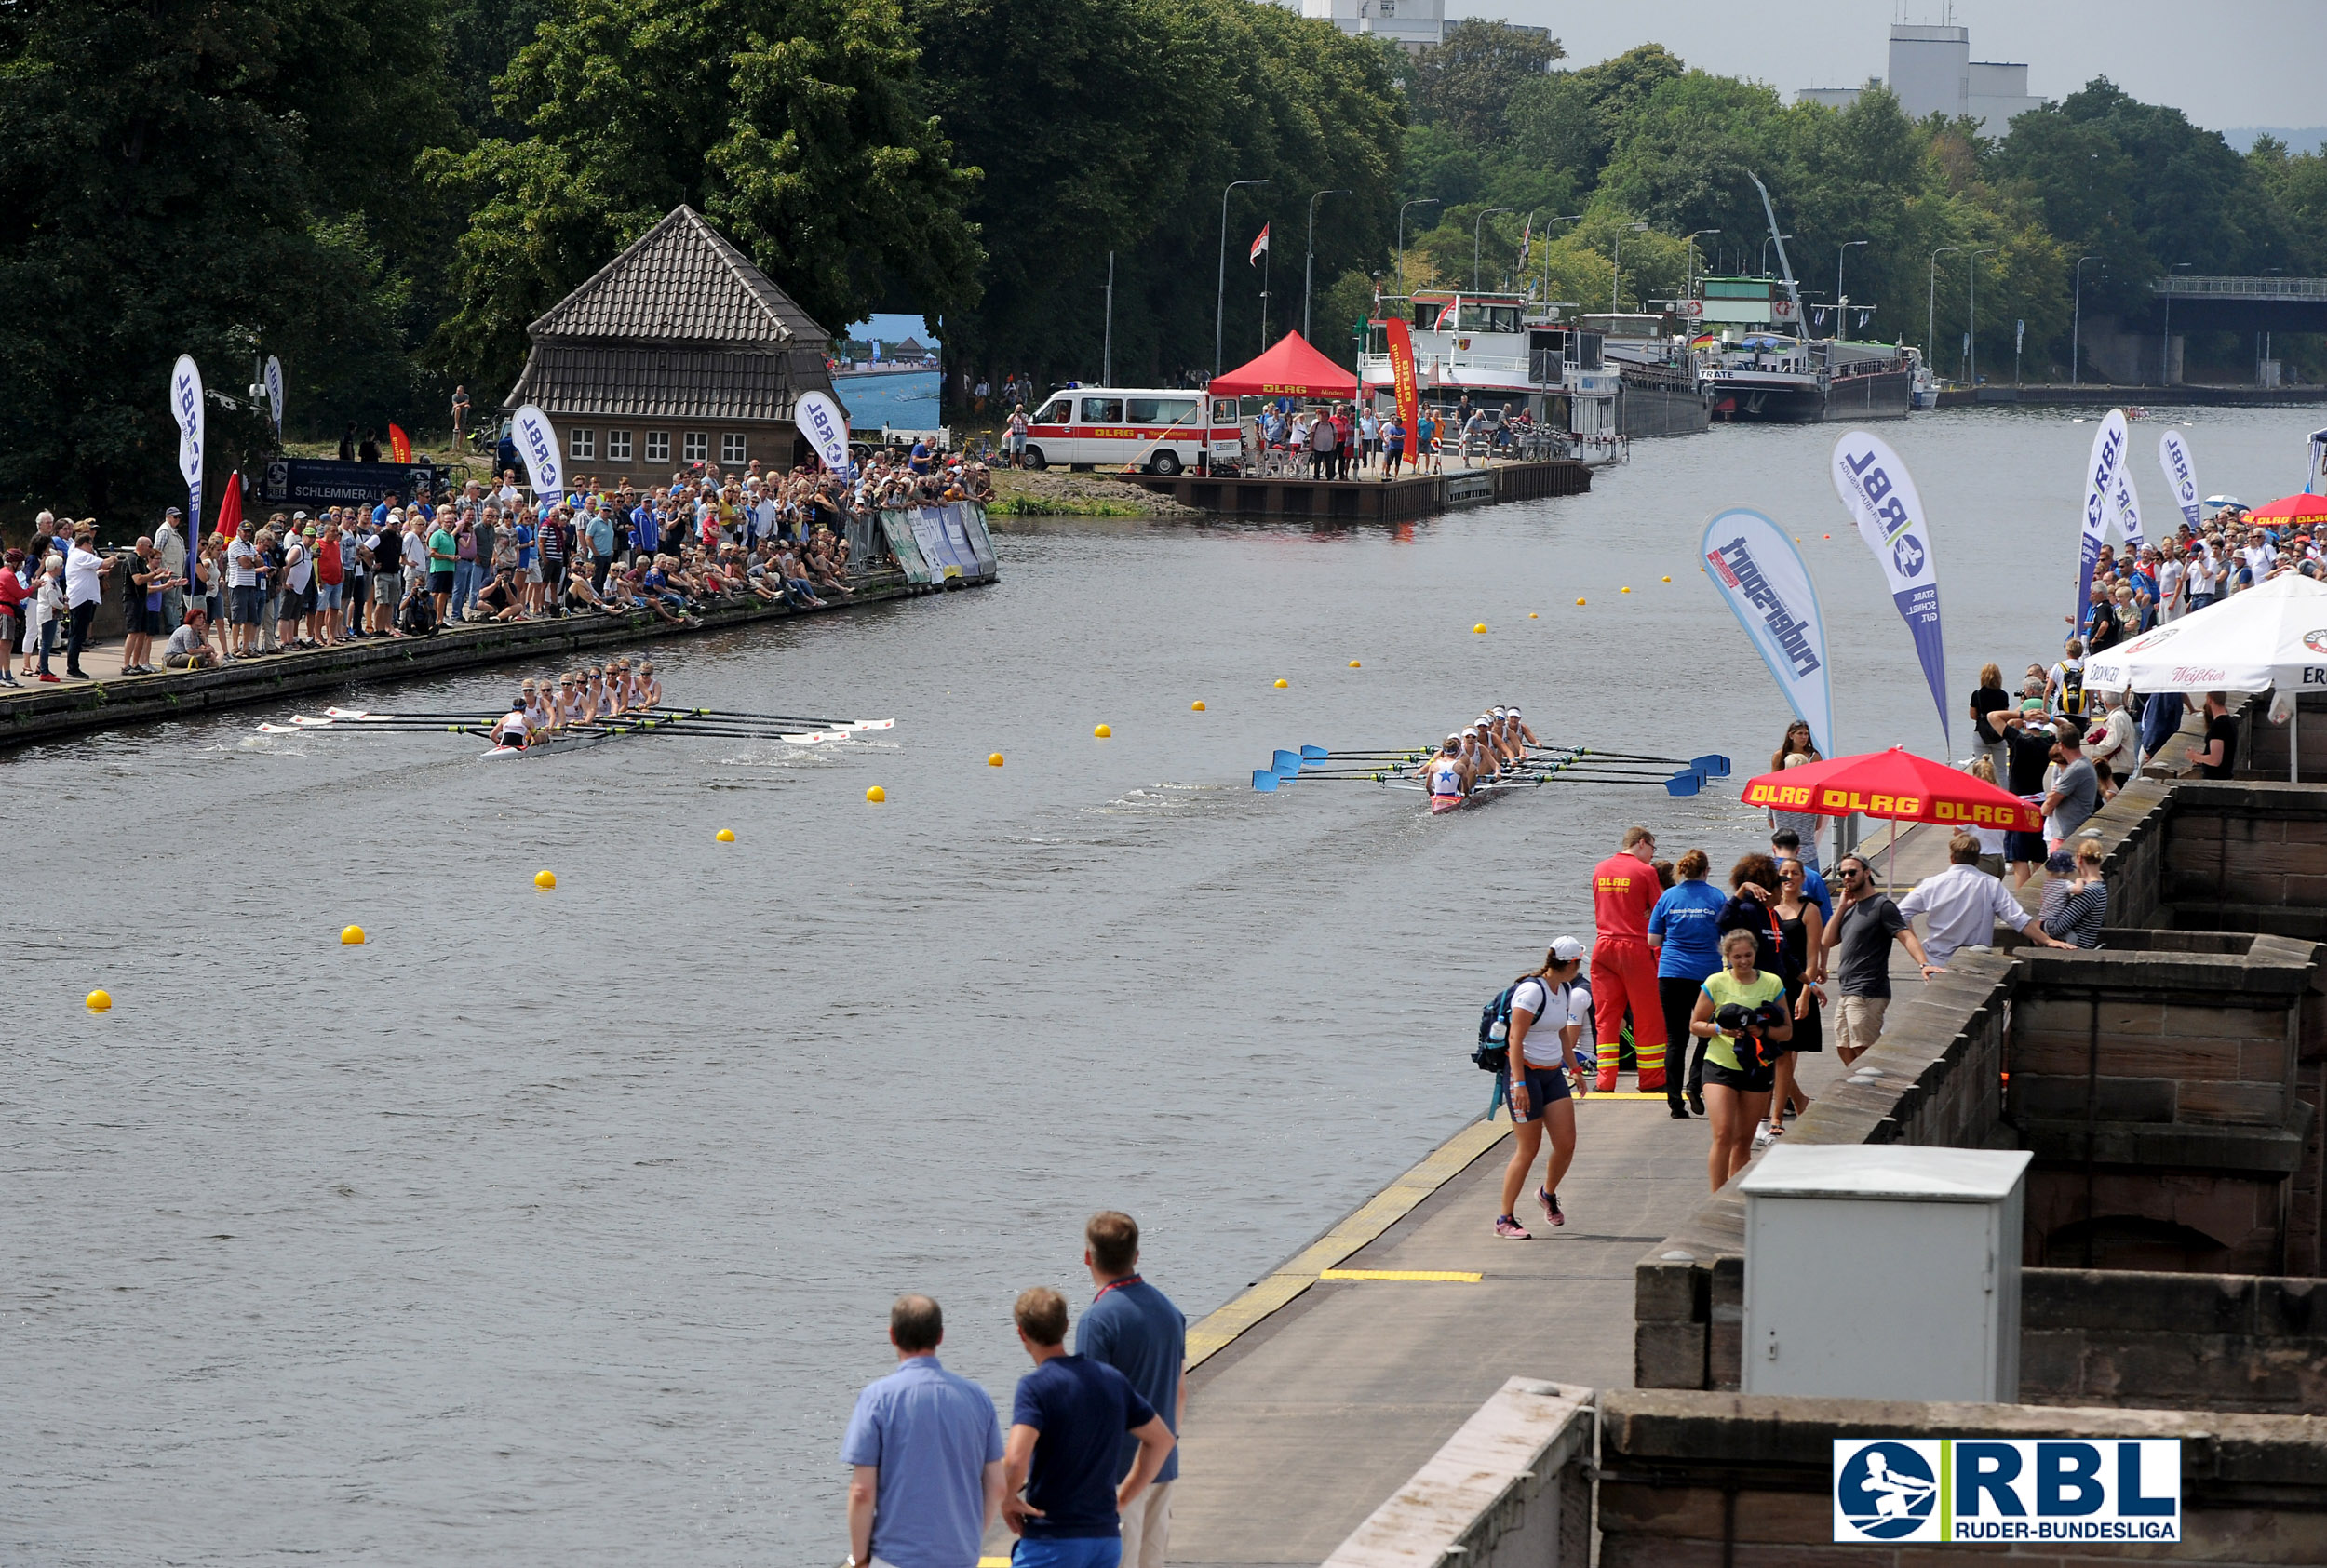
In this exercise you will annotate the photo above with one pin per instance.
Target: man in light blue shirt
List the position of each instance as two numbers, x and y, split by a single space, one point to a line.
927 1450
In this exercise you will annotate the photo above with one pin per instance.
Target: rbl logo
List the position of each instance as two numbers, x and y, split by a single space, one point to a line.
2044 1489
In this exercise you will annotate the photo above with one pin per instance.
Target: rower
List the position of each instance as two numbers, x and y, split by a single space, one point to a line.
604 687
650 688
1444 774
514 729
584 706
622 686
536 705
1497 740
1482 763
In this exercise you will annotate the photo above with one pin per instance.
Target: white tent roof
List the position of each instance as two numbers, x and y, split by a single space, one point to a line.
2273 635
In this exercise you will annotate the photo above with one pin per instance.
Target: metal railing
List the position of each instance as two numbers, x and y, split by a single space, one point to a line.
2259 287
1377 365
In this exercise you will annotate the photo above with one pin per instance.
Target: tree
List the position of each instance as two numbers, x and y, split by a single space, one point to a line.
790 123
217 177
1570 119
1464 83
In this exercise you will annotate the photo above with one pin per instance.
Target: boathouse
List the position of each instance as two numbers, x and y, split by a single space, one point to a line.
678 353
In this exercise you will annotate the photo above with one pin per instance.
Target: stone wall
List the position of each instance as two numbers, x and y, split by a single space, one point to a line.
2169 1083
1732 1480
2174 1341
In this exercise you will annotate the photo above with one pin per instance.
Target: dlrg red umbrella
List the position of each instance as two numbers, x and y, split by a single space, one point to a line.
1896 785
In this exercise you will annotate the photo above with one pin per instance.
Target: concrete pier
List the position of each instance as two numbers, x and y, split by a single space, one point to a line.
1371 499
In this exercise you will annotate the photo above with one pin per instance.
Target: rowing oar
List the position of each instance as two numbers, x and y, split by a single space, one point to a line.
1711 764
781 718
1680 784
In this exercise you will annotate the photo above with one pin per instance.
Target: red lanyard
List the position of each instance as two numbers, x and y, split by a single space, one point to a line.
1117 1285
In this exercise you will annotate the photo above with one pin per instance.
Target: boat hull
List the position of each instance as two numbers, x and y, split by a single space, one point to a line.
1878 395
1649 408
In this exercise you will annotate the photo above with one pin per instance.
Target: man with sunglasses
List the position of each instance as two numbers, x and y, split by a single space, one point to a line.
1864 925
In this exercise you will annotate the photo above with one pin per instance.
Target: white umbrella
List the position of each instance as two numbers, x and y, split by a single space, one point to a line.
2271 637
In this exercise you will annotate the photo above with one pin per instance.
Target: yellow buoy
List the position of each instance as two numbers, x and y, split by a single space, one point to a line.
725 836
1283 684
876 795
1355 664
352 936
545 880
1481 628
100 1002
1532 616
1196 707
1624 590
1578 601
1102 733
1668 577
993 760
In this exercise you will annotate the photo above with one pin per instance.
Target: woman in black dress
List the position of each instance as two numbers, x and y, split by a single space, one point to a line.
1803 965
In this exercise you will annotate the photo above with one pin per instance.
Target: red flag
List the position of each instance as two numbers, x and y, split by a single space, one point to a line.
229 524
1259 244
1402 379
399 444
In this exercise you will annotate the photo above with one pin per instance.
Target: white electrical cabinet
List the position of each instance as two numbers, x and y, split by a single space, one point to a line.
1883 1272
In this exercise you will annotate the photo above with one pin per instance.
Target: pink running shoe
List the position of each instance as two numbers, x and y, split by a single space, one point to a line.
1551 1206
1512 1230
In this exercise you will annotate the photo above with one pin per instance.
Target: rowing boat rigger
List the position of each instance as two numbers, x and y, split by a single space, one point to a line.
1538 765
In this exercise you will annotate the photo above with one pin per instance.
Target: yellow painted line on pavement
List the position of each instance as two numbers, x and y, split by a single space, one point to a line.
1220 1327
1444 1276
994 1563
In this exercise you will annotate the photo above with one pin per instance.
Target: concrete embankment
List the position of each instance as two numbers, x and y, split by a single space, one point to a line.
41 712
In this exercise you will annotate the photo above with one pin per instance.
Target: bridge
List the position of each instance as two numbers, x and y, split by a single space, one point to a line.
2243 304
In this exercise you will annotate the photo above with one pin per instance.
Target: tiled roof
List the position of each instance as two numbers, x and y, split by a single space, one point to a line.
680 283
568 380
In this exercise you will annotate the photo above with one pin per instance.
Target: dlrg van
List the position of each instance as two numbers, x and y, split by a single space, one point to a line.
1162 431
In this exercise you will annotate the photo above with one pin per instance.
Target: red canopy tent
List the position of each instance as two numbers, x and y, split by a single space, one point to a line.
1897 785
1290 369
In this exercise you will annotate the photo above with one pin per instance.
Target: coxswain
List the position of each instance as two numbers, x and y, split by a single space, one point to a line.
514 729
1445 774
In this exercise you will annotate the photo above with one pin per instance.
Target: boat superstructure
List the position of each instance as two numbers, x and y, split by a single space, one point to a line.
1504 353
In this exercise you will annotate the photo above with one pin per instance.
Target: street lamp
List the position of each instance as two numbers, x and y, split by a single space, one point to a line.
1616 266
1690 240
1219 294
1764 268
1475 223
2076 317
1971 333
2165 353
1840 298
1417 201
1309 254
1931 305
1563 218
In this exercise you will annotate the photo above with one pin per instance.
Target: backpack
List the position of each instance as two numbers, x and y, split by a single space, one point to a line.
1493 1052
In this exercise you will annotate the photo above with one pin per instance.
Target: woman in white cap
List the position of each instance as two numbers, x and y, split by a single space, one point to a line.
1549 1009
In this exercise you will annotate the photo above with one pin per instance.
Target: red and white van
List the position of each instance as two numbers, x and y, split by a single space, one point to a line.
1160 430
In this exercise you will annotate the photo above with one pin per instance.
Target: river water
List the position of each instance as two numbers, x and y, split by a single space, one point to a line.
556 1227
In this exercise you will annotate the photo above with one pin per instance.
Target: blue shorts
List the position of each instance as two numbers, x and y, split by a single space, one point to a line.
1073 1551
327 595
1544 1086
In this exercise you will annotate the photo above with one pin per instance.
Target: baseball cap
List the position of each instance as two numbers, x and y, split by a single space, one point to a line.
1567 950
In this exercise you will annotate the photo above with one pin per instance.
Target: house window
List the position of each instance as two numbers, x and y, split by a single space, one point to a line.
732 450
658 445
698 447
618 445
586 443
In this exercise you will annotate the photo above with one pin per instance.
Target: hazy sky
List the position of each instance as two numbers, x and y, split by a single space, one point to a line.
2223 62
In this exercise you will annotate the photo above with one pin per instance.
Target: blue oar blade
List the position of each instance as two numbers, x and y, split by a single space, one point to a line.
1263 779
1711 764
1683 784
1287 763
1312 752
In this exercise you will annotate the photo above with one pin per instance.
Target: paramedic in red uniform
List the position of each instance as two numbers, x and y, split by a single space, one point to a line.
1624 888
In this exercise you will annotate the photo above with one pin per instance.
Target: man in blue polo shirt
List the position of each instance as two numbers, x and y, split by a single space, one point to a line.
1066 1423
1133 1327
927 1454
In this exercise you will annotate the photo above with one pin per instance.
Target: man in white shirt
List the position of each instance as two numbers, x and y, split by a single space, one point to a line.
170 543
1965 904
2171 574
83 589
2204 578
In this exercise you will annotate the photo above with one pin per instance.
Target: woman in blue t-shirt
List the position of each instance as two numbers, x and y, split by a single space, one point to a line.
1682 930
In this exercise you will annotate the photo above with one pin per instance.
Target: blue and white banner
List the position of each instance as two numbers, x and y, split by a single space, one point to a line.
1960 1490
1753 563
2125 506
1880 495
536 441
274 393
185 411
819 419
2101 468
2181 475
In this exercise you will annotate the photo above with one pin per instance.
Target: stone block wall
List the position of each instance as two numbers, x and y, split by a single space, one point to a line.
2245 856
2174 1340
1731 1481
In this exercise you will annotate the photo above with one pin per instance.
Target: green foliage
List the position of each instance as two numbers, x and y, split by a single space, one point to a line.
1124 141
790 123
1465 82
218 179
